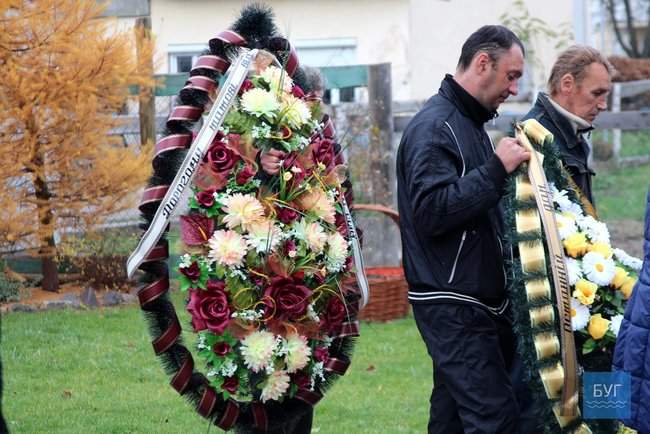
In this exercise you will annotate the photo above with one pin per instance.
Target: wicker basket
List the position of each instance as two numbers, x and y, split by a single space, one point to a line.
388 288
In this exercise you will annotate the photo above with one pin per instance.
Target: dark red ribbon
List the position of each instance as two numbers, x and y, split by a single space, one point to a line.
337 366
186 113
230 415
328 130
349 329
259 416
308 396
291 63
153 194
154 290
175 141
208 400
205 84
158 253
226 37
183 376
214 63
167 339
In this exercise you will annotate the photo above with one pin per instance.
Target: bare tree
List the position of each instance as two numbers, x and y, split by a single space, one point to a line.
627 16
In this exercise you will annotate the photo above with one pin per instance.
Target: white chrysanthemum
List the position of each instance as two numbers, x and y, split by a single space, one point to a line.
337 252
227 248
573 210
260 102
275 76
275 386
298 353
615 324
627 260
242 210
598 269
257 350
263 236
561 198
565 225
595 230
318 202
312 233
574 270
579 315
294 111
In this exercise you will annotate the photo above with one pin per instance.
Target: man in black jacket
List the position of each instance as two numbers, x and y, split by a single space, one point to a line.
450 181
578 86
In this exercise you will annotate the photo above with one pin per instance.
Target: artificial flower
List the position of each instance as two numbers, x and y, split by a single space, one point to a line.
242 210
620 276
565 225
263 236
275 386
209 308
312 233
294 111
277 79
628 287
260 102
576 244
318 203
337 252
257 349
298 353
574 270
598 269
585 291
579 315
598 326
601 248
615 324
227 248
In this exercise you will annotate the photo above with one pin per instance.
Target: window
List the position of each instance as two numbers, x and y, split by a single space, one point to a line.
183 56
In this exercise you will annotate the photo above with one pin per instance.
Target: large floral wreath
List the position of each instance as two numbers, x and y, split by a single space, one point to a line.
268 255
601 279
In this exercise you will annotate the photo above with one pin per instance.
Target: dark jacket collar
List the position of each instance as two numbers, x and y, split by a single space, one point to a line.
466 103
560 121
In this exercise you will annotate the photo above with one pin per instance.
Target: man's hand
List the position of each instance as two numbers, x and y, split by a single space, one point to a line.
511 153
271 161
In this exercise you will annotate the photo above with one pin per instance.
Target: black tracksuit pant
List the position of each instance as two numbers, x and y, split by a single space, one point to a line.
478 386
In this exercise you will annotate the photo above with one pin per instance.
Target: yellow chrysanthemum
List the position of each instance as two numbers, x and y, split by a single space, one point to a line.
259 102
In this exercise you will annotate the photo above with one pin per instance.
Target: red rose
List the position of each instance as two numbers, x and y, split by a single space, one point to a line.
321 354
209 308
341 224
289 296
230 384
334 315
246 86
221 348
205 198
220 158
286 215
245 174
297 91
323 152
193 272
301 379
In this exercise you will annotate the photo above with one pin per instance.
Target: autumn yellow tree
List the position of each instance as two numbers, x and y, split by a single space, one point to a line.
66 72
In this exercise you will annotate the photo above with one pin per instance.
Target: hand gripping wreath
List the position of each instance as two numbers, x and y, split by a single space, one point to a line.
267 255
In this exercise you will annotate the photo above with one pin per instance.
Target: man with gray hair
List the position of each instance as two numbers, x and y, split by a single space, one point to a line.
578 86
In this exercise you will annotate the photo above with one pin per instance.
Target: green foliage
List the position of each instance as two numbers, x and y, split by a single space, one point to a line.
9 289
620 193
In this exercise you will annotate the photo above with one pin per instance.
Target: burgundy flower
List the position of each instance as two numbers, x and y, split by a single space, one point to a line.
321 354
334 314
245 174
221 348
230 384
205 198
349 263
297 91
193 272
209 308
196 229
290 298
246 86
289 246
301 379
341 224
286 214
220 158
323 152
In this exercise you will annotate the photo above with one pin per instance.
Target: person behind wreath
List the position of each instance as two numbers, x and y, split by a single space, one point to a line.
578 86
450 182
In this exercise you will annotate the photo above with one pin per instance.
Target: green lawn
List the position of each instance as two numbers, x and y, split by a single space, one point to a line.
621 193
633 143
95 372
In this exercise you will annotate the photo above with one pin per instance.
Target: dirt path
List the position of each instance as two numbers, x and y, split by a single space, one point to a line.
627 235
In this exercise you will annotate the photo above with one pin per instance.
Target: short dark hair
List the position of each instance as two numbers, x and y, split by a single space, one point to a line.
493 40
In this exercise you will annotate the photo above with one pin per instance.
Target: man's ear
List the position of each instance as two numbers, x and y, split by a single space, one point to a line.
482 62
567 83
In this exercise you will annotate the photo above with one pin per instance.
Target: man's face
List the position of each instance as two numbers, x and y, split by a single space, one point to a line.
589 97
500 79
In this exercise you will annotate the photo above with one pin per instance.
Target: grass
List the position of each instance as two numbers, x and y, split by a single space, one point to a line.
633 143
95 372
621 193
